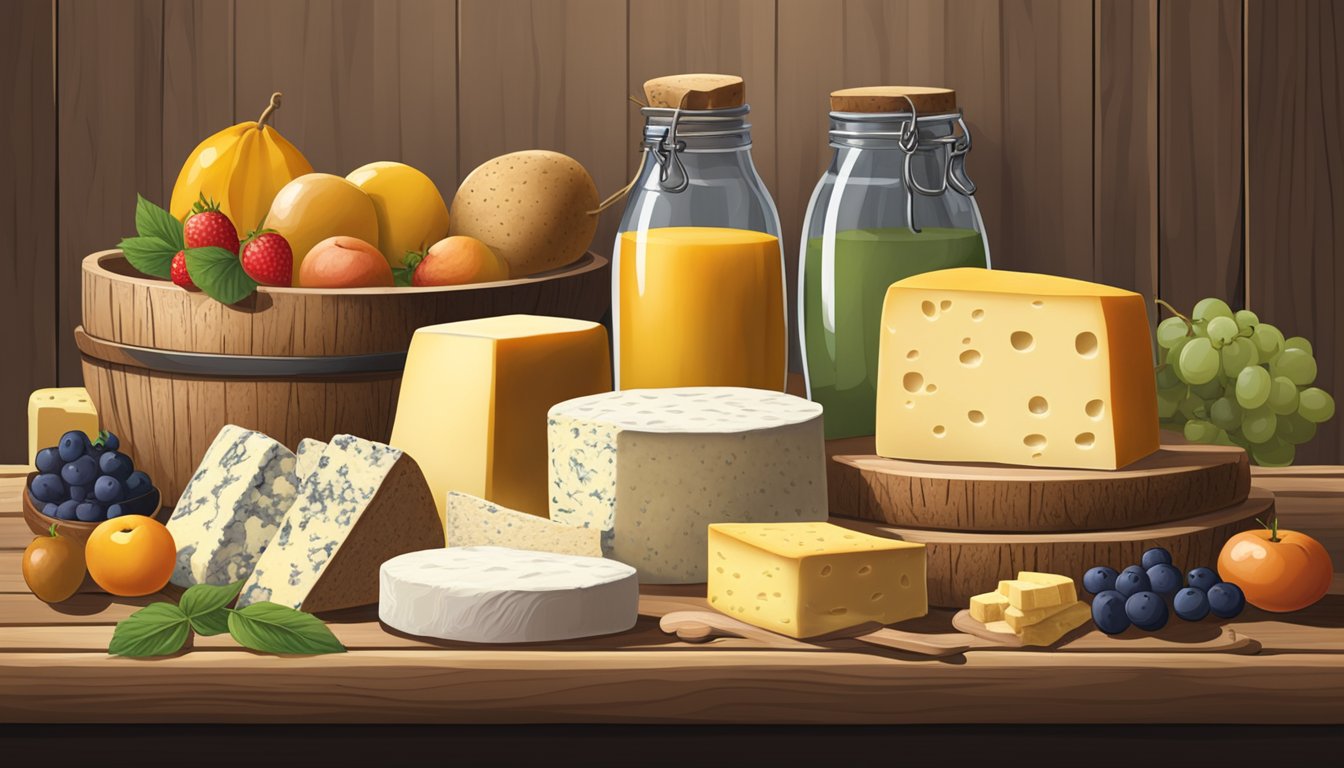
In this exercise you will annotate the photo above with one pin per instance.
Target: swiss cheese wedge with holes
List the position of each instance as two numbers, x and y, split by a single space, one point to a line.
979 365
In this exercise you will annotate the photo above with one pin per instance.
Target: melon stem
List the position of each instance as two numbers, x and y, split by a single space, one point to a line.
270 109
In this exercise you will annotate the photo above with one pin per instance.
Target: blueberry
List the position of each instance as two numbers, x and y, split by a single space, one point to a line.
1202 578
137 484
110 441
49 488
1155 556
81 471
90 512
1134 569
73 445
1226 600
1165 579
66 509
79 492
108 490
1099 579
116 464
1130 583
116 510
48 461
50 510
1191 604
1108 611
1147 610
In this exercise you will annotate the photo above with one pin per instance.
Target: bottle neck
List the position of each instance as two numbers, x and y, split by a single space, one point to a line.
895 130
697 130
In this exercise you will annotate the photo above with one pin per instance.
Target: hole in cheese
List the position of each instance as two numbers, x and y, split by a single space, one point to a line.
913 381
909 403
1085 440
1023 341
976 417
930 311
1038 405
1086 344
876 596
966 340
865 570
912 354
977 315
1095 408
839 611
761 596
1038 303
970 358
905 581
945 305
1034 442
826 570
931 388
939 431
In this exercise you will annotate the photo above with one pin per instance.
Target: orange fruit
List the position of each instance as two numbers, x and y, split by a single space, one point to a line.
458 260
344 262
1277 569
53 566
131 555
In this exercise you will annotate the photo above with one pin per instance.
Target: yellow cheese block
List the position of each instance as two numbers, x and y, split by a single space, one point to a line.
1015 368
53 412
1049 630
808 579
1032 591
474 397
1019 619
988 607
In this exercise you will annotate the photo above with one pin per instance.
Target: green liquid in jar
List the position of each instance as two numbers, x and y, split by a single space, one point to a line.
841 358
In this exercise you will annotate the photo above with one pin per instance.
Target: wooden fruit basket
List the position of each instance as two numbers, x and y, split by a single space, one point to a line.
167 368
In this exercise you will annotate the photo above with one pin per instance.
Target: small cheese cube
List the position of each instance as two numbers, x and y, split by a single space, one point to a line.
1031 590
1050 630
1019 619
1015 368
53 412
808 579
474 397
988 607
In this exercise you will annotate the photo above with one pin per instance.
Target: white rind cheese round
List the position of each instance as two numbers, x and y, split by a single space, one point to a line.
652 468
502 595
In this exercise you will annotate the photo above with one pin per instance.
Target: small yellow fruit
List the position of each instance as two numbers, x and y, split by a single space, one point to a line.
459 260
411 212
317 206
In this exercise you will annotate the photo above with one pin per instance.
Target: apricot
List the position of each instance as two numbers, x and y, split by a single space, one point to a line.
131 555
458 260
344 262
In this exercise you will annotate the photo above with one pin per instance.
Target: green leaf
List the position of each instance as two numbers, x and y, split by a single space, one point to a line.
220 274
204 605
155 630
274 628
153 221
149 255
401 276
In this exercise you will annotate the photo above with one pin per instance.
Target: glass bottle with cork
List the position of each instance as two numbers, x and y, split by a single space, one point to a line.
698 273
895 202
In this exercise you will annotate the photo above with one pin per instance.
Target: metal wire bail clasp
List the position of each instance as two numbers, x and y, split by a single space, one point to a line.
671 172
954 162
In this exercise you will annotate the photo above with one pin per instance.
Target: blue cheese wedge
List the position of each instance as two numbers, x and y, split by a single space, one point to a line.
362 504
231 507
305 458
501 595
651 469
473 521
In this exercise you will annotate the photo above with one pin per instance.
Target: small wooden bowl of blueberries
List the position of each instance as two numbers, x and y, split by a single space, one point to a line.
80 483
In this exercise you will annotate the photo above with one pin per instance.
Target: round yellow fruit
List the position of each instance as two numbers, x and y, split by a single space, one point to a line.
411 212
532 208
317 206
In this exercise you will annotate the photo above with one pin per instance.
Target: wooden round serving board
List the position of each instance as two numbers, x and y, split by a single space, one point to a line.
962 564
1176 483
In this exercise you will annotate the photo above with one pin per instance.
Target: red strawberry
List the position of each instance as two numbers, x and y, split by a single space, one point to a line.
208 226
178 271
267 258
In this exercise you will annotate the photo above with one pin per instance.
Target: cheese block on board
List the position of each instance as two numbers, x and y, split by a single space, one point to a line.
501 595
988 607
473 402
475 522
364 504
1031 591
808 579
1015 368
305 458
651 468
231 507
55 411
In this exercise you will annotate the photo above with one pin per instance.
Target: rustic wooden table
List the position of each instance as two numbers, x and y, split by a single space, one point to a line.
54 668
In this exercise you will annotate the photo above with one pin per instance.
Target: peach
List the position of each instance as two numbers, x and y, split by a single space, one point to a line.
458 260
344 262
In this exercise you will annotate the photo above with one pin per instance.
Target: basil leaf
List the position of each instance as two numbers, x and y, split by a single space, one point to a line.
220 274
153 221
274 628
204 606
149 255
155 630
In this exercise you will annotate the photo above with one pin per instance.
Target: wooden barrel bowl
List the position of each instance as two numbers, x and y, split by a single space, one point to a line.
167 368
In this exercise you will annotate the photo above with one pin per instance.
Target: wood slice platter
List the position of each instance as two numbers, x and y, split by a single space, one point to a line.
962 564
1176 483
1177 637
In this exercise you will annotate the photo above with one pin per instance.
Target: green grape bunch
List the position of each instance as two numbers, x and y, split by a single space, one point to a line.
1225 378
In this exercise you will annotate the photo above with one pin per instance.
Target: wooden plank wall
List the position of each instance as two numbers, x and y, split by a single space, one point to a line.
1113 140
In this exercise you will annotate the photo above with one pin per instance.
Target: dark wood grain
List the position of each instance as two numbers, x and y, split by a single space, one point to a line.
198 55
28 289
1200 165
1295 174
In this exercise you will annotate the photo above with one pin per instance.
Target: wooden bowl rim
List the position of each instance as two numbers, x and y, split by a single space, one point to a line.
96 264
74 528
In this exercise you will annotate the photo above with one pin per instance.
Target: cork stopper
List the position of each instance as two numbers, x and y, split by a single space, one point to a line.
891 98
699 91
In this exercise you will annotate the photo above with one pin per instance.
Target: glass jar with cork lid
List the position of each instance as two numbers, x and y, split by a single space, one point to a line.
698 294
895 202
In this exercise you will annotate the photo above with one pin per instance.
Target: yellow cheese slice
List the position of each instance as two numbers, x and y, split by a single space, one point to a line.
808 579
1050 630
1031 591
53 412
1019 619
1015 368
988 607
474 397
